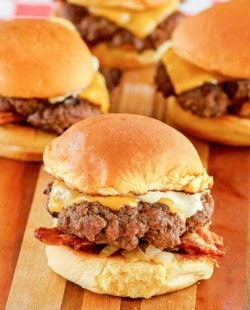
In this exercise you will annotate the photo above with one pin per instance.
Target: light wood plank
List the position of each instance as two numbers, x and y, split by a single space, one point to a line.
34 285
130 304
184 300
100 302
137 91
73 296
227 287
16 194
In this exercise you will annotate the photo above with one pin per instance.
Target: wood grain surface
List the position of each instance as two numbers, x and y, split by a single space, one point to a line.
26 282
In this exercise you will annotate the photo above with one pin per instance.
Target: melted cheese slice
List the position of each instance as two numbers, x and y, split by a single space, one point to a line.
97 92
184 204
62 196
186 76
140 23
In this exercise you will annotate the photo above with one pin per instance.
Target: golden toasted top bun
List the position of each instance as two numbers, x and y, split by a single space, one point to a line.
130 4
227 129
119 277
41 59
124 154
217 39
23 142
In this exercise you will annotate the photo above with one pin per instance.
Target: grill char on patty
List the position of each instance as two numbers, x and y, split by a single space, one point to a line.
209 100
153 223
95 29
54 118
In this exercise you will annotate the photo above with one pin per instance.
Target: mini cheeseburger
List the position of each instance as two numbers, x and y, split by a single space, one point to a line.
131 205
48 81
123 34
206 75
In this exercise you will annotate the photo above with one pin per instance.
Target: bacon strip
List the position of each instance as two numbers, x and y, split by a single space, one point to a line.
53 236
203 241
10 117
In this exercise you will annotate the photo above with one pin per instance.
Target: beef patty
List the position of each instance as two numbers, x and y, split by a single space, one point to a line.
54 118
208 100
112 77
153 223
95 29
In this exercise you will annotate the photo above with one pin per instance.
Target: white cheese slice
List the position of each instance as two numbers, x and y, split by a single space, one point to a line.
185 204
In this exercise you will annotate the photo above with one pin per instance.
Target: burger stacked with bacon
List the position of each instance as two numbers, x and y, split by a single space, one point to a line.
132 207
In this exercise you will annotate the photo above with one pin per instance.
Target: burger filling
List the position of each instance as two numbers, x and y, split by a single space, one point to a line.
40 113
58 113
130 221
210 98
95 26
112 77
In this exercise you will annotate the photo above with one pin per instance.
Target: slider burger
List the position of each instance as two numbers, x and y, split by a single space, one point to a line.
206 75
123 34
48 81
132 207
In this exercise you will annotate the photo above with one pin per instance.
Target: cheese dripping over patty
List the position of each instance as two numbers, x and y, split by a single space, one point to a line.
181 203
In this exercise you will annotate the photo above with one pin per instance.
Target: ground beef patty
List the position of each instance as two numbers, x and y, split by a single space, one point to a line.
112 77
208 100
54 118
94 29
153 223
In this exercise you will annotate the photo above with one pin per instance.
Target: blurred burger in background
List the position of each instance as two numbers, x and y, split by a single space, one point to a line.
206 76
131 207
123 34
49 81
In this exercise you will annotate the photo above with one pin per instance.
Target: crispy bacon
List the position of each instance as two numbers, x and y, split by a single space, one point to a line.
53 236
203 241
10 117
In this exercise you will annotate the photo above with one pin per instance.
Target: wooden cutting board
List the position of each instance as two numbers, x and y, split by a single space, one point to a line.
26 282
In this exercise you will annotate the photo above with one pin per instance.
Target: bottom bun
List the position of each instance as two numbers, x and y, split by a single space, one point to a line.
227 129
23 143
128 278
118 57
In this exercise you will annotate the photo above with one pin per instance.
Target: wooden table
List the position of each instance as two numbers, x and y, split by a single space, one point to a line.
26 282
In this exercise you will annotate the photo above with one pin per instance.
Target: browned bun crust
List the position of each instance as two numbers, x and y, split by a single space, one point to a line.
23 143
116 154
228 129
42 59
118 57
130 4
119 277
217 39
